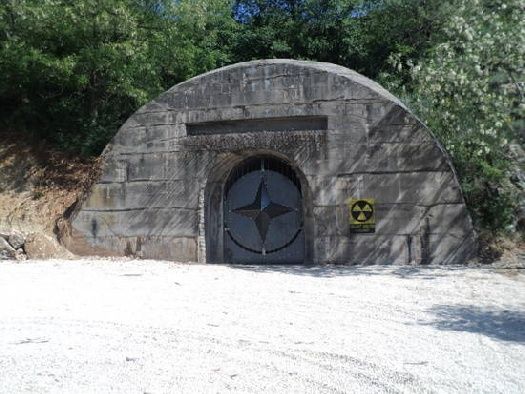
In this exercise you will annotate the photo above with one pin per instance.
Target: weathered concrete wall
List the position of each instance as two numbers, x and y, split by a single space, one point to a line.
158 195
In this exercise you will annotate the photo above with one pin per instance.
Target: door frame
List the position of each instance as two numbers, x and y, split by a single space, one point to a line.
213 204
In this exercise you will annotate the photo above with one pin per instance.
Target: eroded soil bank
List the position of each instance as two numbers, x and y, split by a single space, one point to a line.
37 187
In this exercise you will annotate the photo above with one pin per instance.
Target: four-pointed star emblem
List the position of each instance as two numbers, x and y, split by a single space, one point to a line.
262 210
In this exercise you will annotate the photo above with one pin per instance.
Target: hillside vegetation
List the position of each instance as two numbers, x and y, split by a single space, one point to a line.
72 71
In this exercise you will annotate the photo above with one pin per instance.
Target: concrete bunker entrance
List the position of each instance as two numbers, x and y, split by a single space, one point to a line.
183 179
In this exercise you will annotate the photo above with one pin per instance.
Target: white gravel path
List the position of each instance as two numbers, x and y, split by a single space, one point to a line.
155 327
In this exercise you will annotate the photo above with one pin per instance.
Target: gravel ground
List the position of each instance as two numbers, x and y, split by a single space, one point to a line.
156 327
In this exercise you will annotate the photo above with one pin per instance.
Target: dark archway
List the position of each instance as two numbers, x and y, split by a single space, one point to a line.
258 211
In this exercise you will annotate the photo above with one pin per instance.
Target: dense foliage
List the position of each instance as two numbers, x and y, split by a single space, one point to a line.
72 71
360 35
469 89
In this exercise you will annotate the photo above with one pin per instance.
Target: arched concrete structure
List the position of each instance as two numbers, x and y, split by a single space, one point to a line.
345 136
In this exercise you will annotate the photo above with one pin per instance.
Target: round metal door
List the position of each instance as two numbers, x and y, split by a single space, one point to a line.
263 217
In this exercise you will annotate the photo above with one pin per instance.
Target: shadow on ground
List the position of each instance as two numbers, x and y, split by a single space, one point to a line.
505 325
332 271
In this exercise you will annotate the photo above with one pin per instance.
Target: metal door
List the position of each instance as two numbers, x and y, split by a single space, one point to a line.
263 217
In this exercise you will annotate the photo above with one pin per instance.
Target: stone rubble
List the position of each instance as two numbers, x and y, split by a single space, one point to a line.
15 245
41 246
16 239
7 252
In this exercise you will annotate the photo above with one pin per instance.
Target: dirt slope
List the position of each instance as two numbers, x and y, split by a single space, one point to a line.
37 184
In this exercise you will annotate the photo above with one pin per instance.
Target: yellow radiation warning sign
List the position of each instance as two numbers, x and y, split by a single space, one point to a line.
362 215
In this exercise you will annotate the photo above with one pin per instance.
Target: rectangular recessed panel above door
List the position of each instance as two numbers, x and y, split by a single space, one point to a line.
295 123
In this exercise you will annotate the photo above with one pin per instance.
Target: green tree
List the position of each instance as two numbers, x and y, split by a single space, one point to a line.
354 33
467 90
72 71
